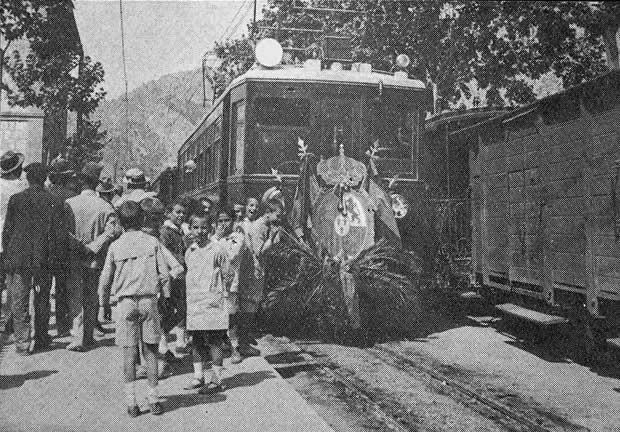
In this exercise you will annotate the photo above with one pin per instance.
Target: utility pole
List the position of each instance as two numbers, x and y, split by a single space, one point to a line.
254 22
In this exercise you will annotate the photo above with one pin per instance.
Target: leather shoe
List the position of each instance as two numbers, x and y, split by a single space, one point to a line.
248 351
156 408
195 384
211 388
75 347
22 351
133 411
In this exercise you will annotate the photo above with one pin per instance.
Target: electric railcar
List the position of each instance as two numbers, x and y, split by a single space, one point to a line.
254 128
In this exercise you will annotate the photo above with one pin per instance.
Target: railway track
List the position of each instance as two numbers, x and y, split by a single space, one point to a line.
527 417
509 416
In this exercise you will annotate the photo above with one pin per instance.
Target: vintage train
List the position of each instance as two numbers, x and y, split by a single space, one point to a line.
255 124
524 203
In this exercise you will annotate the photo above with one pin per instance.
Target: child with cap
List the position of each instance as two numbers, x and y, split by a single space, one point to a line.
135 271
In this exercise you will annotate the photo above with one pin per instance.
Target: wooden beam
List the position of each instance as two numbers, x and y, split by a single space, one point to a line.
547 240
484 214
586 122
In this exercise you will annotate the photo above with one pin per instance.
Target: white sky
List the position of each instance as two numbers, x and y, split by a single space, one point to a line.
161 37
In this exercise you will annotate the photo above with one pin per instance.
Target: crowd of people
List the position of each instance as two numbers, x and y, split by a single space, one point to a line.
189 267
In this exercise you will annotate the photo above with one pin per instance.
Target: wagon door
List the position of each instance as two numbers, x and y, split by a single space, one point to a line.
526 205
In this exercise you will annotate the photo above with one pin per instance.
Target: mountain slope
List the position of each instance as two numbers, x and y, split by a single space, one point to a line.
161 114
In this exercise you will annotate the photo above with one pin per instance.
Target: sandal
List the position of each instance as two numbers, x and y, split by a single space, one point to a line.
211 388
195 384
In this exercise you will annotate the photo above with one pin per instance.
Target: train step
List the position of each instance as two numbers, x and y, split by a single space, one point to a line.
531 315
613 342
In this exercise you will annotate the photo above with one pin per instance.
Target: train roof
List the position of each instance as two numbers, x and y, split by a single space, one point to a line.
328 76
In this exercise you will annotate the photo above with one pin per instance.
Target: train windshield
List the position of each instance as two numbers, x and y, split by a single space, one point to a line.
395 129
275 111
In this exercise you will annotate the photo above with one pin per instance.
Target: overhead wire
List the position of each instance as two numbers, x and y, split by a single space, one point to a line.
229 31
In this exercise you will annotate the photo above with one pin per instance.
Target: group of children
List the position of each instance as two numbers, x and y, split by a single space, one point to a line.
199 271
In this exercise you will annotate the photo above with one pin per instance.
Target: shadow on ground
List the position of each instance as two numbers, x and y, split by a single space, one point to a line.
179 401
243 379
13 381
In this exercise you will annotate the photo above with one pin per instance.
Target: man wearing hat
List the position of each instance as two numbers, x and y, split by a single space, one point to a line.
64 185
106 189
35 242
92 221
10 184
136 187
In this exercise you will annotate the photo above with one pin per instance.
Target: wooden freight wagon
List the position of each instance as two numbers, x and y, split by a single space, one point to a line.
546 203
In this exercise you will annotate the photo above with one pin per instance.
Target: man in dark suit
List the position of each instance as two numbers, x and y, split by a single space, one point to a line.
64 185
35 243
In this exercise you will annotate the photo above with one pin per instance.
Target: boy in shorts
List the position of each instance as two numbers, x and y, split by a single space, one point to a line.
135 271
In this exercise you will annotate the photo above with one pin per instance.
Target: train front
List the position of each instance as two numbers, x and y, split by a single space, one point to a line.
327 104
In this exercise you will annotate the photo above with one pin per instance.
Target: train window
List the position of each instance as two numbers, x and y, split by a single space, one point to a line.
274 111
396 130
237 136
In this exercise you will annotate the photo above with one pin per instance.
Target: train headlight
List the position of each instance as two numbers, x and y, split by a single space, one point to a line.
403 61
400 205
268 52
190 166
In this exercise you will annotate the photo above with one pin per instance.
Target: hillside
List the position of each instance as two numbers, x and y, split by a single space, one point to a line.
162 113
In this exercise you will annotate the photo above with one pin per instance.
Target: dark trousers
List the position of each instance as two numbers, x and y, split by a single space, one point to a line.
20 283
174 313
83 301
63 313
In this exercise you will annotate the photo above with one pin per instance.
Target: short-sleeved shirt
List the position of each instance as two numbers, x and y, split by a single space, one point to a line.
135 265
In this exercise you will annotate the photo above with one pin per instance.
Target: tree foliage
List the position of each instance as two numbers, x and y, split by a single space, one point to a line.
475 51
53 75
86 145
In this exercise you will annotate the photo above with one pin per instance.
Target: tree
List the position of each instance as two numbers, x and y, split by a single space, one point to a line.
56 76
86 144
20 19
237 56
472 51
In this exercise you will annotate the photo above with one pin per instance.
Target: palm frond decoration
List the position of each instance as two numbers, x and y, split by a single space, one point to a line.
304 283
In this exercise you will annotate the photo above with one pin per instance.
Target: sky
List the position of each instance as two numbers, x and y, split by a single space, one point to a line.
161 37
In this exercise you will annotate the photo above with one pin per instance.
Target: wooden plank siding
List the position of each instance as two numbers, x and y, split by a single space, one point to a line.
546 215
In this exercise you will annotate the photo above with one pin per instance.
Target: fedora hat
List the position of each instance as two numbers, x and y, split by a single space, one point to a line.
135 177
92 170
10 161
61 166
105 185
